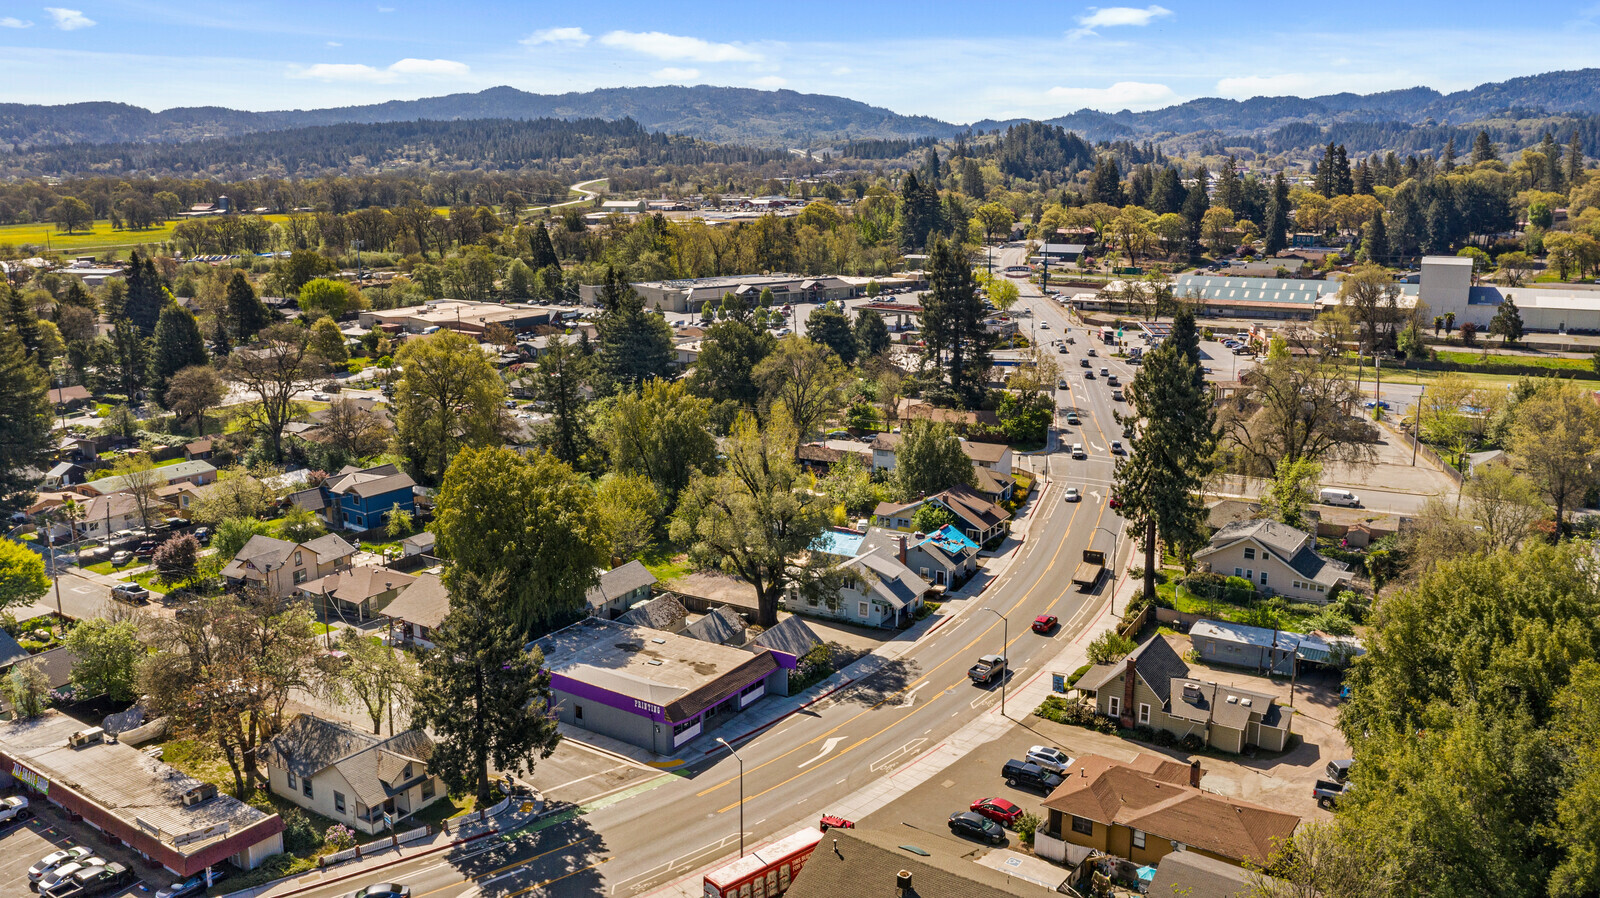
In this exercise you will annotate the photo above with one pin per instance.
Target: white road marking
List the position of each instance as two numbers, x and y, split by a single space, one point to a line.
906 703
826 747
889 759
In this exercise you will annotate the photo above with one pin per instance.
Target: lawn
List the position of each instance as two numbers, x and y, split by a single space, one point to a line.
148 580
1494 360
99 238
666 562
105 567
1181 599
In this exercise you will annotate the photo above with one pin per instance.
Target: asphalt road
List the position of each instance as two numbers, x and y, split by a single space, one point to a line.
653 830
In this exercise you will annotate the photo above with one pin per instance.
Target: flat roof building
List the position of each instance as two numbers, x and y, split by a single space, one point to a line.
471 318
689 294
165 815
651 688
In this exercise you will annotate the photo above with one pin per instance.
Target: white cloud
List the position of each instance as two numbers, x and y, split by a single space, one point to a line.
1116 16
1269 85
334 44
1121 95
673 73
386 9
358 73
673 46
13 22
575 36
68 19
445 67
769 82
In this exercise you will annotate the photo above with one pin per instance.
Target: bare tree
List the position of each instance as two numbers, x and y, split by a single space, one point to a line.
273 370
141 481
356 432
1288 409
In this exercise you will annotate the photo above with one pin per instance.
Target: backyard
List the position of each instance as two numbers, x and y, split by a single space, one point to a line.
1292 616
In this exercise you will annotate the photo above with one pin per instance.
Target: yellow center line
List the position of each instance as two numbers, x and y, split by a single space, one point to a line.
555 879
522 863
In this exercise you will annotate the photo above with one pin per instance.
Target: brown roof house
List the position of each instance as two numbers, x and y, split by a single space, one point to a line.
1277 558
1148 808
364 781
357 594
1152 687
281 567
979 519
419 610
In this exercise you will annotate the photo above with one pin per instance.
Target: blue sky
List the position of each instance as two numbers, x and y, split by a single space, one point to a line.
956 61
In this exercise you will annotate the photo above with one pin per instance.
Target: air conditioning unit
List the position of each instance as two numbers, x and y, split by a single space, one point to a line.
86 737
200 793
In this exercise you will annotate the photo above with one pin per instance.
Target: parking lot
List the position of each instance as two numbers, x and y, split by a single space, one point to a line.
48 830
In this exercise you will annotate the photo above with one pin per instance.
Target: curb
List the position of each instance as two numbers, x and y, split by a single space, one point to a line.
354 873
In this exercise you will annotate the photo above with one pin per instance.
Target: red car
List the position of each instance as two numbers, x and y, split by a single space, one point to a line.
1044 623
997 809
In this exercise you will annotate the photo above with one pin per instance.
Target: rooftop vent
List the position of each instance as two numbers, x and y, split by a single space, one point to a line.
1233 699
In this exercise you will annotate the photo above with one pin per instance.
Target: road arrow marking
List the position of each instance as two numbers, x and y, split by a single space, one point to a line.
826 747
1095 494
907 702
1098 447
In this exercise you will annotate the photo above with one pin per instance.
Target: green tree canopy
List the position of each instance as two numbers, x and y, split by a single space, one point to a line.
328 343
25 421
661 432
176 346
449 397
322 296
829 327
22 576
930 460
635 344
109 653
728 355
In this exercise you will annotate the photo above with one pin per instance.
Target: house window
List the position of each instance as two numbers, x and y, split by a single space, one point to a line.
1238 572
1263 578
1249 554
1144 713
289 775
1138 838
427 788
1114 706
405 773
362 811
297 558
305 788
864 611
299 576
577 712
1082 825
338 802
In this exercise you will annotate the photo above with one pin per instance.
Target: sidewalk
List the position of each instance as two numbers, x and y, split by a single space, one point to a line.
517 814
986 728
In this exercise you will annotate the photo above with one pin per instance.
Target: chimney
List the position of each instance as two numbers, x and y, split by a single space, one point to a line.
1194 773
902 881
1128 679
902 550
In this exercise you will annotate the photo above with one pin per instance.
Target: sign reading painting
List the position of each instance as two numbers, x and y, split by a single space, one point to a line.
35 781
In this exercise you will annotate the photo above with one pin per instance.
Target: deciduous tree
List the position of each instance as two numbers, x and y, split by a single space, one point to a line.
273 371
383 678
661 432
628 507
930 460
805 380
108 657
1555 438
448 398
22 576
194 390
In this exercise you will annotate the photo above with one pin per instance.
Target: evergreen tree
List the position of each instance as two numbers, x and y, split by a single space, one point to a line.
245 312
1449 160
1362 183
1105 185
25 423
972 180
729 352
1196 202
222 344
21 319
1229 191
1375 239
558 380
1343 185
1169 456
930 169
177 345
1440 226
952 324
1483 149
872 334
76 294
146 295
1274 235
1167 193
829 327
635 344
921 213
1552 162
1507 322
541 252
129 355
1323 182
1574 158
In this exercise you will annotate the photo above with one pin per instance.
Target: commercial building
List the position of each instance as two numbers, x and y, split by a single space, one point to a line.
168 817
651 688
689 294
471 318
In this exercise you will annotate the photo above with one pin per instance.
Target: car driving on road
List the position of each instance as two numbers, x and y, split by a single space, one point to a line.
1072 495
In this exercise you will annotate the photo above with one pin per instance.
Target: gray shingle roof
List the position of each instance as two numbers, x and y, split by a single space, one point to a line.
424 602
722 626
330 545
1193 875
894 582
10 650
372 765
1155 662
660 613
1293 547
866 863
309 744
619 581
790 636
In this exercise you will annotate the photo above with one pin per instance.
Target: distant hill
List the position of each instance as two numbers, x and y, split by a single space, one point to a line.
786 118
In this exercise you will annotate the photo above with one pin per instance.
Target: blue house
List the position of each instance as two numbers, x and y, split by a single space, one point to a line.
362 498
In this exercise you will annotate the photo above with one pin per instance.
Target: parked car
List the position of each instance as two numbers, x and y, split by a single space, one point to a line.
55 859
383 890
90 881
999 810
145 550
1028 774
121 559
14 809
1072 495
1327 793
194 885
130 592
1052 759
975 826
203 534
1376 403
65 871
1044 623
1339 770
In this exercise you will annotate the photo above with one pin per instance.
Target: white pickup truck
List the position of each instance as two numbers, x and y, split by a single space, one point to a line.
14 809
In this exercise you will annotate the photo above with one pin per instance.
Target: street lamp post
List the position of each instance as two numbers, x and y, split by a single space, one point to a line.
741 791
1113 565
1005 650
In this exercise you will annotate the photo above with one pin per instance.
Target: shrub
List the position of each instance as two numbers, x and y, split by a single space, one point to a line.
1027 825
1164 739
1053 708
1144 733
299 836
1107 725
1078 675
1193 743
339 837
1110 646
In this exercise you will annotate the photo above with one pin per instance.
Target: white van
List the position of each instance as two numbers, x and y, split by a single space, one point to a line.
1346 498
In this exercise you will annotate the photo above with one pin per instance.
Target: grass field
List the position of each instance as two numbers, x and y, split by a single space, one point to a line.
1496 361
666 562
101 237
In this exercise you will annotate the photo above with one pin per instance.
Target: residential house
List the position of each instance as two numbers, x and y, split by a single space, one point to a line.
109 514
620 589
664 612
864 863
1153 687
877 590
183 494
357 594
281 567
418 544
362 498
1190 874
198 473
1146 809
63 474
69 397
978 519
997 488
199 450
945 558
1279 559
994 457
721 625
418 611
364 781
789 640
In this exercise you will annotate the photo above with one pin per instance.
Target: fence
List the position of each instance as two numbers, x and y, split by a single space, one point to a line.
350 854
1185 619
1426 451
1131 627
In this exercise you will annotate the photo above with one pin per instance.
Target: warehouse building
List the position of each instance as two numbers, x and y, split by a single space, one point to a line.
168 817
651 688
689 294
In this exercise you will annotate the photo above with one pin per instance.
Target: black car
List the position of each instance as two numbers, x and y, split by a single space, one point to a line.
1029 775
203 535
1083 363
383 890
976 826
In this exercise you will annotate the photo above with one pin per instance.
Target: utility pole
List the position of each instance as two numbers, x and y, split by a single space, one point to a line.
1416 436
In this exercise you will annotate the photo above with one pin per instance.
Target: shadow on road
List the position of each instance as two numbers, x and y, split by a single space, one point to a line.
882 684
560 854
